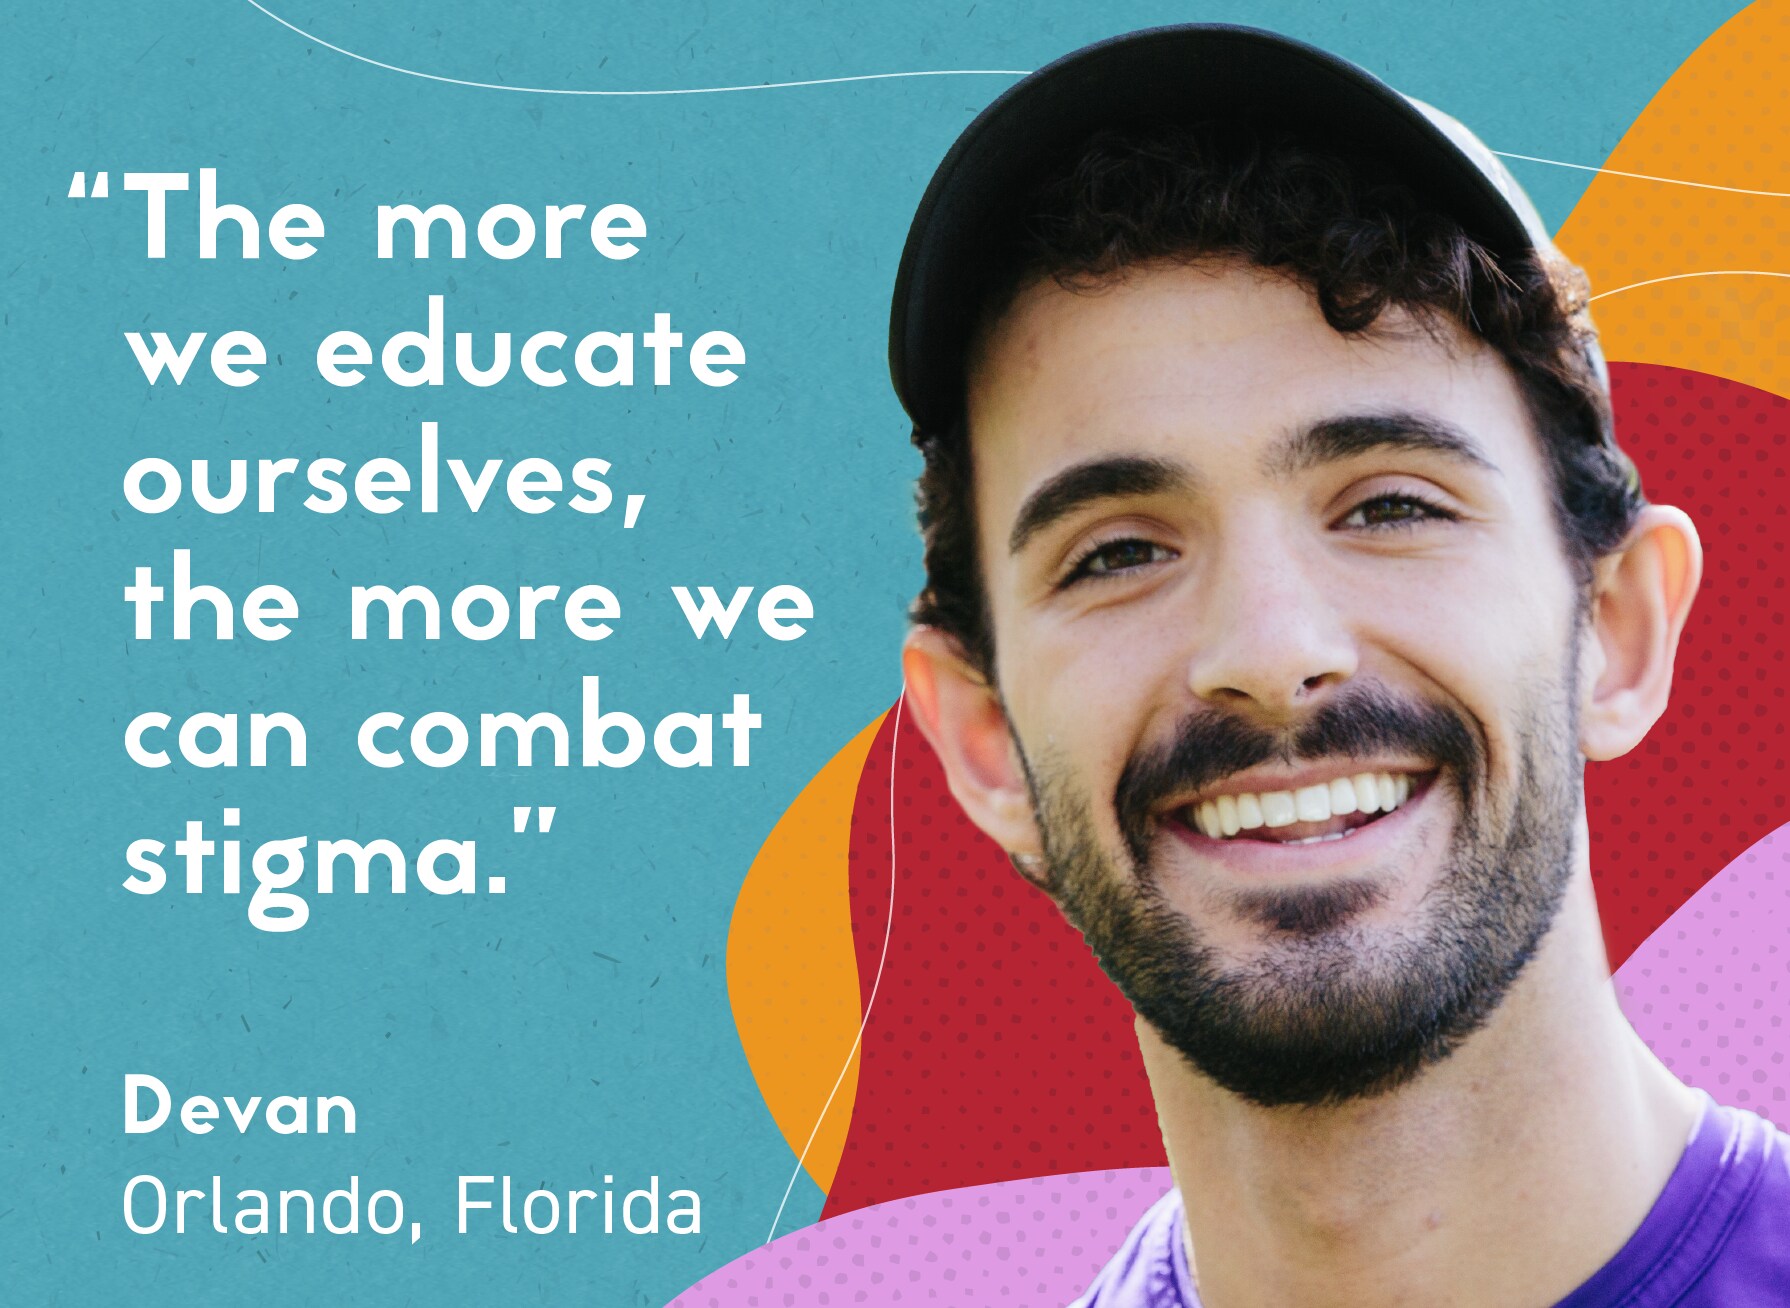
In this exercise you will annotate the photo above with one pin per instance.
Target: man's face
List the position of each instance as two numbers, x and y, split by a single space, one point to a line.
1288 646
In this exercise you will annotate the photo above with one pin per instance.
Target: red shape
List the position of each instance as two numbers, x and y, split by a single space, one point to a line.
996 1050
1721 452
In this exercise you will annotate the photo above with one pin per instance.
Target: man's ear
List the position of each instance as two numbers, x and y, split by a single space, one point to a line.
1640 598
960 714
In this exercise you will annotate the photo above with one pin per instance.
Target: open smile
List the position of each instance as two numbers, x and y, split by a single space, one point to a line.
1310 821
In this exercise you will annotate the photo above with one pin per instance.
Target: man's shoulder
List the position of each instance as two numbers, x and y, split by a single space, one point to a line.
1753 1256
1717 1236
1150 1268
1720 1237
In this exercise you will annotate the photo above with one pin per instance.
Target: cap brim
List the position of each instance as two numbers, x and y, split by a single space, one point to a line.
1179 74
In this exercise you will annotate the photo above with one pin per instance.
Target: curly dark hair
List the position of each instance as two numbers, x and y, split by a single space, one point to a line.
1346 228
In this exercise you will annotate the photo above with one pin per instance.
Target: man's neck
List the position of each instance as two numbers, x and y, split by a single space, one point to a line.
1501 1178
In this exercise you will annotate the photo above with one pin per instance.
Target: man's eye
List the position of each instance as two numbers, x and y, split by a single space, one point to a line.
1395 511
1117 556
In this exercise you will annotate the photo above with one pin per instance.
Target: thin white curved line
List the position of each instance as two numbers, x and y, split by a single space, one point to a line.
1678 277
888 928
886 77
690 90
1640 177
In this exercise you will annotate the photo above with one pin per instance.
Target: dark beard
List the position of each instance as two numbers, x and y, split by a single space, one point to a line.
1335 1011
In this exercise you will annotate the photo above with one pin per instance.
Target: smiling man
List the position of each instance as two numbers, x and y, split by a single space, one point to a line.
1283 574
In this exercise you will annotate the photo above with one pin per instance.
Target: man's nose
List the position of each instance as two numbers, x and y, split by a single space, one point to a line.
1271 638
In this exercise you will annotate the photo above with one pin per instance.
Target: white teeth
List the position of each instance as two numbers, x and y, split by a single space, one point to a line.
1312 803
1278 809
1365 792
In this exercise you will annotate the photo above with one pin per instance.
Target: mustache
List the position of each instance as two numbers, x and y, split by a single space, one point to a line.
1212 745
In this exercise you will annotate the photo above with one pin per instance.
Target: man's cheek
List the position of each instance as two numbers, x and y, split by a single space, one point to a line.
1099 721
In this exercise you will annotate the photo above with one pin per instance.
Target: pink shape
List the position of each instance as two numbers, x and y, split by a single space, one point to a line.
1037 1241
1709 991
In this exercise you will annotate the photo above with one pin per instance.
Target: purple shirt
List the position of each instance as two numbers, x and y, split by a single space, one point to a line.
1717 1237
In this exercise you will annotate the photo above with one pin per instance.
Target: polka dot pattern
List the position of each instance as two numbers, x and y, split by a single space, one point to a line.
1030 1242
998 1051
1710 991
1720 451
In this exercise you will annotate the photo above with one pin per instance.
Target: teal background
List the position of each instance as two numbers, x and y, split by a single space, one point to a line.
578 1025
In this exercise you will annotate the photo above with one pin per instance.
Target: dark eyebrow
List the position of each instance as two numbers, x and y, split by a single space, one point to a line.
1099 479
1335 439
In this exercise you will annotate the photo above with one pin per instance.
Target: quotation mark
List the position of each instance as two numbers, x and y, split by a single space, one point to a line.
521 817
77 187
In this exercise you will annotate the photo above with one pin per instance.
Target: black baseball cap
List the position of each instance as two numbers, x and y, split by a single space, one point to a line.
1164 75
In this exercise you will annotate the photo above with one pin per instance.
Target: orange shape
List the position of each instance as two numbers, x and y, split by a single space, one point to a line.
791 973
1720 119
